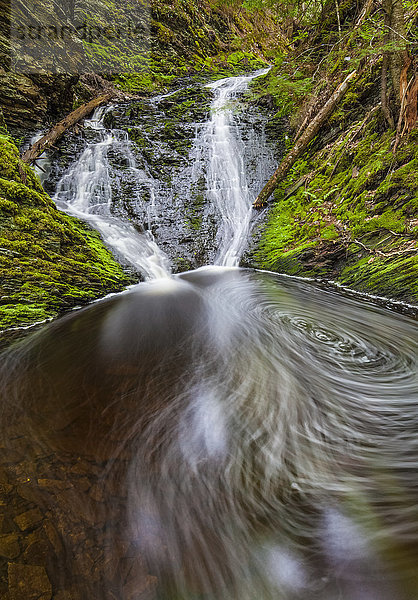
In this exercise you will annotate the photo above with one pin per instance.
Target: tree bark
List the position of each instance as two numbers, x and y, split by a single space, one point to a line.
303 141
384 73
398 36
57 131
396 33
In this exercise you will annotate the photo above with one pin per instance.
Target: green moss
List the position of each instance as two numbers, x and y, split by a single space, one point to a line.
12 315
395 277
49 261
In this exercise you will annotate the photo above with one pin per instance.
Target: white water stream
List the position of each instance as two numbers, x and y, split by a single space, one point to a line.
219 435
226 175
85 192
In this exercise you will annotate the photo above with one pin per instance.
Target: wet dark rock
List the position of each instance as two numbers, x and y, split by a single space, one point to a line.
9 455
30 491
140 590
53 537
7 523
96 493
38 551
29 519
53 484
71 594
5 488
22 102
9 545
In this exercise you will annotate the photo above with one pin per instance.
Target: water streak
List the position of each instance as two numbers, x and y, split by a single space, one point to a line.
221 435
85 191
225 153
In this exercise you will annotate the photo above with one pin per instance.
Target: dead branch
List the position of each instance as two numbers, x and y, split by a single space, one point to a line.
384 254
404 88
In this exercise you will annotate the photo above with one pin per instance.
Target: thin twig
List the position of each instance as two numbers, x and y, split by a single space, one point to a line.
384 254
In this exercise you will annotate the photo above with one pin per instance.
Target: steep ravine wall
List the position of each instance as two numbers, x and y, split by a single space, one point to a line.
353 218
140 47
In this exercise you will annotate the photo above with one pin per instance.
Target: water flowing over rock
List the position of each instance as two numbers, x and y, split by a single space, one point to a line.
86 192
220 433
184 169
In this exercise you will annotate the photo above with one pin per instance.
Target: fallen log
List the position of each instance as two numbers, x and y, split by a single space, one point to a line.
303 141
56 132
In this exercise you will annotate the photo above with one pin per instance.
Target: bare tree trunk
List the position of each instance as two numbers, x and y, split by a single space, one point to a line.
385 65
395 29
56 132
303 141
384 92
398 36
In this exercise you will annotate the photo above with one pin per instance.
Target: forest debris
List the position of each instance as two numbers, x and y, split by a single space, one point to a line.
301 144
295 186
410 248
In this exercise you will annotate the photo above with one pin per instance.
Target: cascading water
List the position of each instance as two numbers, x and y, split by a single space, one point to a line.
217 435
229 163
85 191
226 173
231 157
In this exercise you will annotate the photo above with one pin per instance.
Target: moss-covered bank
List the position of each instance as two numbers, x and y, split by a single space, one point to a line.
347 211
49 261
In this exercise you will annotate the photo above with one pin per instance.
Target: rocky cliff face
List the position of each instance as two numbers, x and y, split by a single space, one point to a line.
140 46
50 262
32 88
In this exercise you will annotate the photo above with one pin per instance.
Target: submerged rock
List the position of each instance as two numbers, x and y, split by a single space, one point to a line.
28 582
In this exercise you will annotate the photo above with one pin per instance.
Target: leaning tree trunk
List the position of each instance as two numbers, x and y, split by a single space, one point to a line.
303 141
385 66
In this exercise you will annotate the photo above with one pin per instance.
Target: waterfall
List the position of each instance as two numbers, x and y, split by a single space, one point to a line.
221 434
224 154
85 191
226 173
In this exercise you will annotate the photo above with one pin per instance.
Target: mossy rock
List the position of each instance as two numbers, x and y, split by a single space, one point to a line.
49 261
